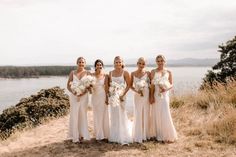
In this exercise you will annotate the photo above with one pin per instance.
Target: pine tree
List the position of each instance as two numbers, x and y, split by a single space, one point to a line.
225 69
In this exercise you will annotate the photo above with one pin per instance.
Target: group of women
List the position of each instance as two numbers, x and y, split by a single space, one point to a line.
152 117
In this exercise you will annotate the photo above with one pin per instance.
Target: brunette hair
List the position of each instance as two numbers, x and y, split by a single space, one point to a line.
98 61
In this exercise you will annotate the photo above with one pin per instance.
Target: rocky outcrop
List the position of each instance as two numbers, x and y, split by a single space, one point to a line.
32 111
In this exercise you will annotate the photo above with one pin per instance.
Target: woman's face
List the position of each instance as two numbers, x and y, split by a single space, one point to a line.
141 64
99 66
81 63
160 62
118 63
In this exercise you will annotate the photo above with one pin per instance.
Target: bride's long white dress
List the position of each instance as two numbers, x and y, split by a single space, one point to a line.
78 123
120 125
141 127
165 130
100 111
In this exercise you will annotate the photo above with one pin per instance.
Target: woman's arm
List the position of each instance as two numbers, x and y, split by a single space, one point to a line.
106 87
127 80
132 82
152 88
149 82
170 80
70 79
171 83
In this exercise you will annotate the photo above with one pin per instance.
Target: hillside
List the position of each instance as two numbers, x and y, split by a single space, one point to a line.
205 122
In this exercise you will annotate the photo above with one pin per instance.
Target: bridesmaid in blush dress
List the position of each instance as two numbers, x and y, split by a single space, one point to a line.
140 80
120 125
99 102
78 124
165 130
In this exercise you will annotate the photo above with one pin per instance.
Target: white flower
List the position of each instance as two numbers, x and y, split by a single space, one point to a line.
140 85
162 82
88 81
115 90
165 84
77 87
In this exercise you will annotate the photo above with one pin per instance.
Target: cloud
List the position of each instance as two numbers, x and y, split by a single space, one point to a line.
58 31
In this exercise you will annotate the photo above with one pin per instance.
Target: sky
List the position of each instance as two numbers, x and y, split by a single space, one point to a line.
56 32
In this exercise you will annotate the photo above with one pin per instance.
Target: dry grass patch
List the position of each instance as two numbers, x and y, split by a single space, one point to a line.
224 129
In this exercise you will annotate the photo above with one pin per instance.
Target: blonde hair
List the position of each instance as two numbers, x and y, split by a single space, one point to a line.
162 57
141 59
120 58
79 58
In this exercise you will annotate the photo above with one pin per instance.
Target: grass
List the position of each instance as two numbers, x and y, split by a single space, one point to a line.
205 122
209 112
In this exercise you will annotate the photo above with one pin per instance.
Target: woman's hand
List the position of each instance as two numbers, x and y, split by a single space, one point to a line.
90 89
151 100
106 101
138 92
122 98
83 93
162 90
74 93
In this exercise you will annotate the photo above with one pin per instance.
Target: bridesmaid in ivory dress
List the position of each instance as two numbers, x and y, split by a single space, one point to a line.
118 85
99 102
78 124
161 84
140 80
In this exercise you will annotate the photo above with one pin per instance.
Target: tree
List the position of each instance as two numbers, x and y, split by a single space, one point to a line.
225 69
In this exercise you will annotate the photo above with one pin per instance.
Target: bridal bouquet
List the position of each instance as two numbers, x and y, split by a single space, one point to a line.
89 81
162 83
77 87
115 91
140 85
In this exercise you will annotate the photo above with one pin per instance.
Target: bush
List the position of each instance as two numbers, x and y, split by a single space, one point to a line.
30 112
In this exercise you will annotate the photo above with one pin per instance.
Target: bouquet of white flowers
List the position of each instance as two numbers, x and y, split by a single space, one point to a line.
89 81
140 85
162 83
77 87
115 91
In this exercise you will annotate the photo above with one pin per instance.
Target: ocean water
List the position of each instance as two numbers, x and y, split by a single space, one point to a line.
12 90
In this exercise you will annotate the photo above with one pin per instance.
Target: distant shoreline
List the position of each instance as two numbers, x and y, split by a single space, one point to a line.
109 65
15 72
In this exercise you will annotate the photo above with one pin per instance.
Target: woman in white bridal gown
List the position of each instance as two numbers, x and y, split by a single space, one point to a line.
140 80
161 84
78 124
99 100
120 125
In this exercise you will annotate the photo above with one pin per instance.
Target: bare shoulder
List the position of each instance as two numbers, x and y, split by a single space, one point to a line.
71 76
169 72
153 71
148 72
106 75
126 72
133 73
109 73
72 72
89 73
